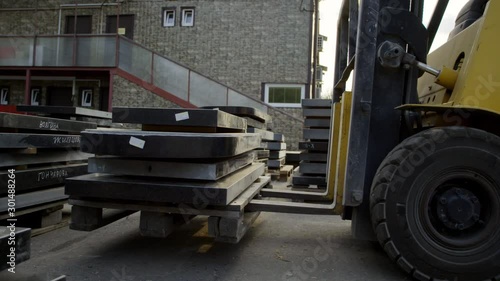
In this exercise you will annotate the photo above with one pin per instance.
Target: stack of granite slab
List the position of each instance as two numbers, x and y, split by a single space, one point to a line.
313 160
257 122
277 153
293 158
255 118
180 156
37 154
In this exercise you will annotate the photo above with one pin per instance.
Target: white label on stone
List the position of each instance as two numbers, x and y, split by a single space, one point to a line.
182 116
137 142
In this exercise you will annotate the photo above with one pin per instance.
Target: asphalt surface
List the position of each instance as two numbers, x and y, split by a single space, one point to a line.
277 247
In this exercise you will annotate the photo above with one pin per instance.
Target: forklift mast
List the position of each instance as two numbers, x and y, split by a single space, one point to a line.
376 128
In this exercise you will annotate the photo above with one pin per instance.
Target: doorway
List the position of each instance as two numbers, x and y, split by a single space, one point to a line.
59 96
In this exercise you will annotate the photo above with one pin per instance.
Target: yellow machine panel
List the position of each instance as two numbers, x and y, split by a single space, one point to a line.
469 53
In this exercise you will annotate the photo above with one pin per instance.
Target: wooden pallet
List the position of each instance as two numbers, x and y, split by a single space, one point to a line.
286 172
226 223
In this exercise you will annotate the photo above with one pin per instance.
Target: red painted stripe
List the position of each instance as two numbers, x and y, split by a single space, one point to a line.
9 109
152 88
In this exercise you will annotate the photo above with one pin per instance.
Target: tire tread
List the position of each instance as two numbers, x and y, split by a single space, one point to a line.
385 174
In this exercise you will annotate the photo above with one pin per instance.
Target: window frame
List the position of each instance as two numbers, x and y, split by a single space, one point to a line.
320 44
267 86
164 16
4 95
183 16
35 95
84 93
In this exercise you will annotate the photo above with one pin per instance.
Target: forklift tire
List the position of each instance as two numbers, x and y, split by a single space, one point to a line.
435 205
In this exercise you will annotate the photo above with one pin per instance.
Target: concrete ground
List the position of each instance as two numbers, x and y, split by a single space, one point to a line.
277 247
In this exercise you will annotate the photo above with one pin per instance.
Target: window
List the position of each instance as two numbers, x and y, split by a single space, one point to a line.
36 93
4 95
320 44
320 70
321 40
187 17
86 97
284 95
168 17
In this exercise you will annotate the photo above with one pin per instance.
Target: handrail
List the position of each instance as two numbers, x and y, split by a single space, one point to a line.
194 71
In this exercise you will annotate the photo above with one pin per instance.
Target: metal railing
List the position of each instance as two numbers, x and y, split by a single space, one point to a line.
110 51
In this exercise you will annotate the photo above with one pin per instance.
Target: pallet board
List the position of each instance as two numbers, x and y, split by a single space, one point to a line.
167 144
243 111
42 157
179 117
18 141
306 103
21 121
317 134
221 192
67 111
314 146
36 178
273 145
170 169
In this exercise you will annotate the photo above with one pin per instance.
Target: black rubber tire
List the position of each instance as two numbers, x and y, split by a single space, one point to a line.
400 204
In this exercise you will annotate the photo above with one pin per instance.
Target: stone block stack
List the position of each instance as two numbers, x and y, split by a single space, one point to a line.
313 160
182 159
37 154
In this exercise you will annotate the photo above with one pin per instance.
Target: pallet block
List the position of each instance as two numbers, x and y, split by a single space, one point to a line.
286 172
229 230
158 225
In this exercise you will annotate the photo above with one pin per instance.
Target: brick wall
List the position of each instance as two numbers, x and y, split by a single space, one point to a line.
133 95
291 128
240 43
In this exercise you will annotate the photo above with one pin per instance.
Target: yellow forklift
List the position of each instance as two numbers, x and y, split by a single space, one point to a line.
414 156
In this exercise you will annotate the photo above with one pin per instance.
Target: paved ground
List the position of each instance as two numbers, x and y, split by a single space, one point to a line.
278 247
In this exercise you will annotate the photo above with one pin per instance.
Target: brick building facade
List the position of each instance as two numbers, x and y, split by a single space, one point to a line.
260 48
